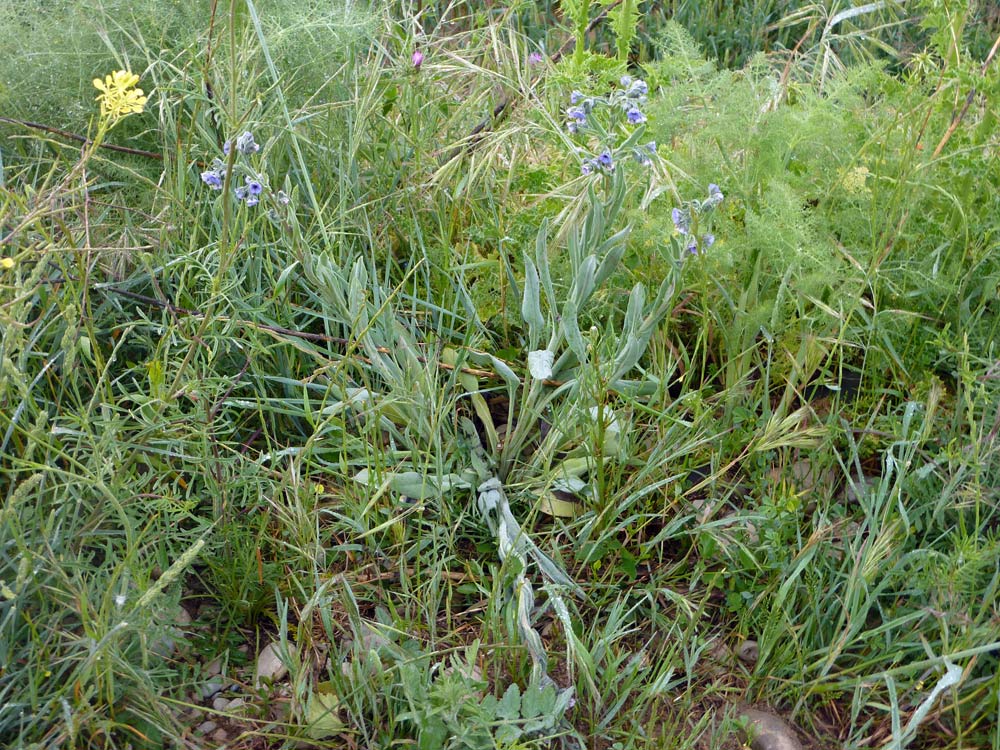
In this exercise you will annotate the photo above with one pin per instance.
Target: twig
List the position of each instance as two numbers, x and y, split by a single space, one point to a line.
502 108
957 119
183 311
80 138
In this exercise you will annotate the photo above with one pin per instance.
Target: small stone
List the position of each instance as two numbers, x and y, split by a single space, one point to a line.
768 732
269 665
220 703
214 667
210 688
748 652
372 639
206 727
235 704
857 488
221 735
174 619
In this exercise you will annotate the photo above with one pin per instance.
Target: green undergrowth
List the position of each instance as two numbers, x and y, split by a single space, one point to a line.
495 445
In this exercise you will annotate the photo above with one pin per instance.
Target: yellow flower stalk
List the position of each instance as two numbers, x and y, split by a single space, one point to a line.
119 97
6 263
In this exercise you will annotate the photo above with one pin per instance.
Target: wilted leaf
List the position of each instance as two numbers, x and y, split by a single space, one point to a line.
322 713
551 505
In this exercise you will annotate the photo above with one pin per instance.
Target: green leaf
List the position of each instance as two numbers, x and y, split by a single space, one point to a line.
531 309
510 704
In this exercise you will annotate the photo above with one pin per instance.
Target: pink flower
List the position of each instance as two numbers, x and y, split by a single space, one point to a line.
535 58
417 58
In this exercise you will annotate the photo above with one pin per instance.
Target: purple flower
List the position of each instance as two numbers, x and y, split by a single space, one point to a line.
417 58
535 58
707 240
642 156
240 193
714 195
575 97
212 178
245 144
692 245
682 222
226 146
651 147
625 81
254 187
577 114
638 89
252 200
604 160
635 116
587 167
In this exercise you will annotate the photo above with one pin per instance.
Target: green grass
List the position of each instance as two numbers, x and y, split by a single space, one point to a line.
312 423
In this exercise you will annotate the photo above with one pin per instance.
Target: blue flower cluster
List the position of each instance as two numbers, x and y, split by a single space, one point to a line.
623 108
687 218
253 186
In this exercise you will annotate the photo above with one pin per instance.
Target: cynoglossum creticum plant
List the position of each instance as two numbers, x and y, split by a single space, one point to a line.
610 126
401 391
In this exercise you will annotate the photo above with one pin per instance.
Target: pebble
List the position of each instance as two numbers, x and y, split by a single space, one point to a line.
175 619
220 703
372 639
769 732
210 688
269 665
206 727
859 487
221 735
748 651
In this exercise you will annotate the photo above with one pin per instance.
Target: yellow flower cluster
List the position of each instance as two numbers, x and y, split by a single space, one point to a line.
855 180
119 96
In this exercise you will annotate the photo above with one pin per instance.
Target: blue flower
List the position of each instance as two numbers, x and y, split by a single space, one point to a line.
625 81
254 187
577 114
638 89
225 147
241 193
641 155
714 196
587 167
635 116
245 144
651 147
252 200
605 161
575 97
707 240
212 178
682 221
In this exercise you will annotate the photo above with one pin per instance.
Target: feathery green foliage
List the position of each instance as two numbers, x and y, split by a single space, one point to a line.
500 437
